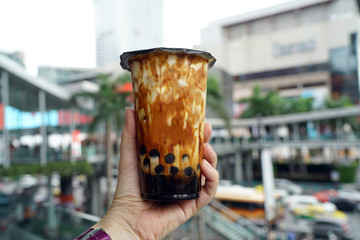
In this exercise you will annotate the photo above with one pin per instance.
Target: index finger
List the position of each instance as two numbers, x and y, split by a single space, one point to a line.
207 132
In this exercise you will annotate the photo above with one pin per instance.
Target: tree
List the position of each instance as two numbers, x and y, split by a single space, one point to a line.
344 101
298 105
215 100
272 104
109 108
268 105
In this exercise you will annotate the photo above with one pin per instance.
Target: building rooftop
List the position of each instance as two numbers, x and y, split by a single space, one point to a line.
281 8
25 82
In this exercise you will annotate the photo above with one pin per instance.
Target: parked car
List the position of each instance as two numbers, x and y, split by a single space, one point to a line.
350 194
293 200
324 227
345 204
4 199
326 195
296 201
314 211
27 181
287 185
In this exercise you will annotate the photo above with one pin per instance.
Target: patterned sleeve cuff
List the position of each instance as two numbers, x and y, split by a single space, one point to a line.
91 234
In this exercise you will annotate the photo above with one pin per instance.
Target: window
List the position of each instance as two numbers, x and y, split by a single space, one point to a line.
314 84
287 87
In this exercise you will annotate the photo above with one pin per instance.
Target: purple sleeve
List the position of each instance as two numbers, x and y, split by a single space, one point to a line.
99 235
83 234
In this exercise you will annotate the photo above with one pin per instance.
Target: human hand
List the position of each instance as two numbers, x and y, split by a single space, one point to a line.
130 217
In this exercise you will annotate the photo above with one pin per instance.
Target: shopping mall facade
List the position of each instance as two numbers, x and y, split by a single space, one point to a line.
299 48
37 122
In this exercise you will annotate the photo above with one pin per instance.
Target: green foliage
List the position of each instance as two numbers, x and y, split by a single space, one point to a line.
299 105
271 104
124 78
343 101
64 168
215 100
213 88
347 172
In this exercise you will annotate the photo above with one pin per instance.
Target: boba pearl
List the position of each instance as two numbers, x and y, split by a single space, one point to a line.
173 170
170 158
146 162
185 158
142 150
154 153
188 171
159 169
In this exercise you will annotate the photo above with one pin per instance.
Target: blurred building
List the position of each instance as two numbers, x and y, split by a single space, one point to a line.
16 56
37 121
124 25
300 48
62 75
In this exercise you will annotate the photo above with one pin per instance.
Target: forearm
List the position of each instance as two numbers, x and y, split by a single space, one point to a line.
116 228
109 228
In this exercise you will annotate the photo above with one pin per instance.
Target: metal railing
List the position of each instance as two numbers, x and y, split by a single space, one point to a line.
234 218
230 230
50 223
54 222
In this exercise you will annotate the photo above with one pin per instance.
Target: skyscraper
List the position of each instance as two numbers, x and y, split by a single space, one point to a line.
126 25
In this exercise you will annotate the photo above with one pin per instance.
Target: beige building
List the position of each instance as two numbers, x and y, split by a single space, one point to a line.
301 48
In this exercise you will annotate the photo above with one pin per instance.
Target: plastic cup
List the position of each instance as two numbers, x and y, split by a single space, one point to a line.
169 87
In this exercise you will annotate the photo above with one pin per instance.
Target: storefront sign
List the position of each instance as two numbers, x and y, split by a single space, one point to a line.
13 118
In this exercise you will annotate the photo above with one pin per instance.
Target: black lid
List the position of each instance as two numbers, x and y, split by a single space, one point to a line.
124 58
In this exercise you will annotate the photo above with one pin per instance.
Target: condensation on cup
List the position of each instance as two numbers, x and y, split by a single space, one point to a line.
169 87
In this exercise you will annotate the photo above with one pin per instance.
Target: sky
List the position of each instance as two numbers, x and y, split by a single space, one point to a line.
61 32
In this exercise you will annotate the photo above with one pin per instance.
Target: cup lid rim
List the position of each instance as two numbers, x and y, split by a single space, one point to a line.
124 57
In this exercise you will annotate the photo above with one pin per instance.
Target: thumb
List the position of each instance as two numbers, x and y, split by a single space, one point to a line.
128 146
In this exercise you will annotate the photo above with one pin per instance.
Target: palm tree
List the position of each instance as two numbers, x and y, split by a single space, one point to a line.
271 104
109 109
264 105
343 102
215 100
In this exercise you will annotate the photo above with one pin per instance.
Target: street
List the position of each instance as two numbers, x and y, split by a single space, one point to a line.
290 224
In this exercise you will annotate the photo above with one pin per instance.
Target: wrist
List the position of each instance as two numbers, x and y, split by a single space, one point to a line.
116 227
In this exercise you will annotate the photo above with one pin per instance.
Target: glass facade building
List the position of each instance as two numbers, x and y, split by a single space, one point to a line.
36 119
343 67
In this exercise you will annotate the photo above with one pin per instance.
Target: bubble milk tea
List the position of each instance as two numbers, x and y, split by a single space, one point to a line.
169 87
